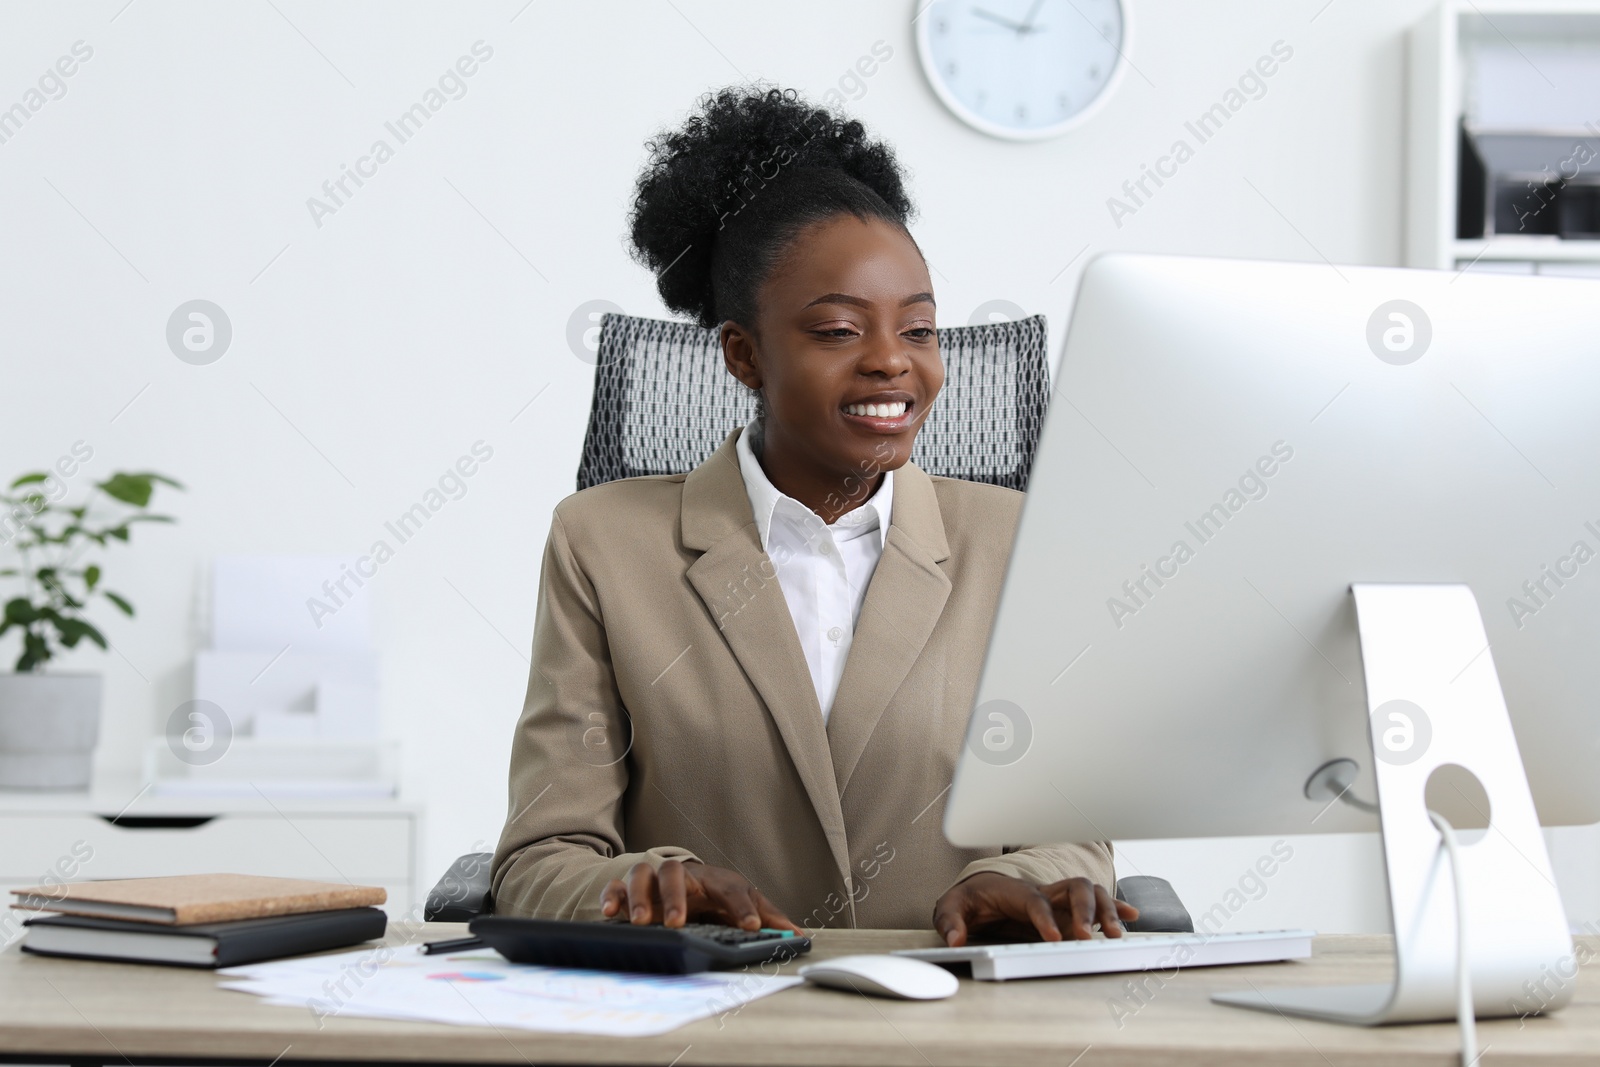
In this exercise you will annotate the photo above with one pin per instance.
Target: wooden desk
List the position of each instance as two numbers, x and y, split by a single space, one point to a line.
83 1012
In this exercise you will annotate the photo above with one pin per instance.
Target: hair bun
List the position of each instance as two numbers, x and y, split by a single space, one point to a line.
701 176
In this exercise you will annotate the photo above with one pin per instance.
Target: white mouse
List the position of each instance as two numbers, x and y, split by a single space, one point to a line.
883 976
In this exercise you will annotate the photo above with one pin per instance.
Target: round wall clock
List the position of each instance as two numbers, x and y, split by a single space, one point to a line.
1022 69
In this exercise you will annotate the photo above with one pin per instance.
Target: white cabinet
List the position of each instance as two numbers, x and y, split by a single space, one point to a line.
117 832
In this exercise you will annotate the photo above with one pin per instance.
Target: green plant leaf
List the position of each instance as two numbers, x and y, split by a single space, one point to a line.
119 532
30 479
74 630
20 612
58 592
132 489
119 601
93 634
91 576
162 478
35 653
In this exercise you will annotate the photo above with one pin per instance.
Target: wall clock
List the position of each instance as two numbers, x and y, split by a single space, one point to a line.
1022 69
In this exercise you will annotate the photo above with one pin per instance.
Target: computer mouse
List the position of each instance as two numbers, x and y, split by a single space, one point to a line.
883 976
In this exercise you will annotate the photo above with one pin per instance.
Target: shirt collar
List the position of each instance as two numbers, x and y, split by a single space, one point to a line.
766 498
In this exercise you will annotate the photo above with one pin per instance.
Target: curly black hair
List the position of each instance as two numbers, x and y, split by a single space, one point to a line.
721 198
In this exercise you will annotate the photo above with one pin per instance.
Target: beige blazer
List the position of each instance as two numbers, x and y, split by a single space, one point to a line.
670 711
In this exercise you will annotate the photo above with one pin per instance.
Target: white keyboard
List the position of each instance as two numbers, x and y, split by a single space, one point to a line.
1130 952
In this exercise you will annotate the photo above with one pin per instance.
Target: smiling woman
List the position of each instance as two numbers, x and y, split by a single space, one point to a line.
774 753
797 316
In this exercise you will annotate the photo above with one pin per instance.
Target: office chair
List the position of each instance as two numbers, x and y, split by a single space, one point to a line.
663 402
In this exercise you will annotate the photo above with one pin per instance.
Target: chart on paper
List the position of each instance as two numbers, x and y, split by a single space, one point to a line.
481 989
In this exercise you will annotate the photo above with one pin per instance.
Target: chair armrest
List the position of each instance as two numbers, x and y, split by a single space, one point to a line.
463 892
1160 910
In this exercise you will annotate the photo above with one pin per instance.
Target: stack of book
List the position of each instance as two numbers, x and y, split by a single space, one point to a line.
199 920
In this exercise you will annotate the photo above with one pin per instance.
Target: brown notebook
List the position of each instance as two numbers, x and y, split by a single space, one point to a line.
197 898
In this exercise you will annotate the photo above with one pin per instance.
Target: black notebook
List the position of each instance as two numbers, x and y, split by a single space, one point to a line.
202 944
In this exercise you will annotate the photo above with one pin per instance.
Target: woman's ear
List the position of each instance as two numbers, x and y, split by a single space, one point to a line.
739 354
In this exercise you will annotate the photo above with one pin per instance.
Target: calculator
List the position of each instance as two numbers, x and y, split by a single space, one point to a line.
619 945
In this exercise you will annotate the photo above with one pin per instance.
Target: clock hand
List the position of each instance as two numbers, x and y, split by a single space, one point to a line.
1027 21
1007 23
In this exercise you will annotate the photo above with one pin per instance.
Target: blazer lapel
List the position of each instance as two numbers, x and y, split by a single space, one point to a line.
739 585
904 600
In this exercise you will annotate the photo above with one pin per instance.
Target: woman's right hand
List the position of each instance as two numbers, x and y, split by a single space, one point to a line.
690 891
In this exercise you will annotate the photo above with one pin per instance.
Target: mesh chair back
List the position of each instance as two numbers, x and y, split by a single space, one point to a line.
663 401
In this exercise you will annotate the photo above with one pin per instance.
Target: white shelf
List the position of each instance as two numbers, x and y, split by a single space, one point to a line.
1526 249
1436 91
128 795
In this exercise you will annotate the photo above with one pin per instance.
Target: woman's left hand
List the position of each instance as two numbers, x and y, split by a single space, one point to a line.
999 905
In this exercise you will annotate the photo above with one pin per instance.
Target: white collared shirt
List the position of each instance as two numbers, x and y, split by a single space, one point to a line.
823 570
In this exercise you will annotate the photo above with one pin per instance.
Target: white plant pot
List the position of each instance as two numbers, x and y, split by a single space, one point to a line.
49 724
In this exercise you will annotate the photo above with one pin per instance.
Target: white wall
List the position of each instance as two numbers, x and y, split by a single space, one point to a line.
426 313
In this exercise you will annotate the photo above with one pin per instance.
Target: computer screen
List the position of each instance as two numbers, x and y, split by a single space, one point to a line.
1230 445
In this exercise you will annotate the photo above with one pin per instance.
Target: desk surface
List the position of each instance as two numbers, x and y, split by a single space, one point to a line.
115 1013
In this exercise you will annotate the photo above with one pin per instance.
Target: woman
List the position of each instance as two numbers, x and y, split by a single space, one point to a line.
751 682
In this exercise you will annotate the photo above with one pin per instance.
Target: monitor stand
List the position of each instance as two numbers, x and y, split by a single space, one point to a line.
1434 699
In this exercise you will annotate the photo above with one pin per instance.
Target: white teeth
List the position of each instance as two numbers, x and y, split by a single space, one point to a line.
881 411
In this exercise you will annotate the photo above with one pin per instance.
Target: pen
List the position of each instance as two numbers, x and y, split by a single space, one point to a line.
431 948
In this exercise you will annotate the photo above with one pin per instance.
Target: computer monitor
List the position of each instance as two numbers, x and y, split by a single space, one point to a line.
1231 448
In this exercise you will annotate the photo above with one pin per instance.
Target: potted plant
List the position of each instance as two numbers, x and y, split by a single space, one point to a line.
49 723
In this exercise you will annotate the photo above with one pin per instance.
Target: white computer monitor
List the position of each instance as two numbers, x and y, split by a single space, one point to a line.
1231 447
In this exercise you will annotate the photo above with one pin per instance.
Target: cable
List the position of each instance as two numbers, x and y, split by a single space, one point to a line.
1334 779
1466 1015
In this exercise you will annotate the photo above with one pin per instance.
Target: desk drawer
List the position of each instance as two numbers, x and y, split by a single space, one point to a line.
362 848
